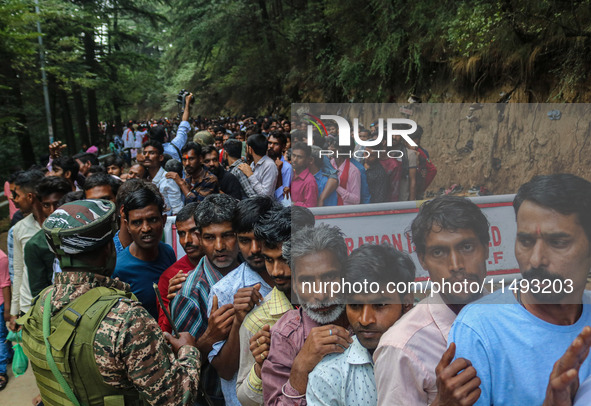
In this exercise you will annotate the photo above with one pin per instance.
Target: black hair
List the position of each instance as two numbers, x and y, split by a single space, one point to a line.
52 184
215 209
172 165
301 217
142 198
233 148
29 180
155 144
187 212
157 134
219 137
67 163
102 179
128 187
279 136
249 211
563 192
379 263
114 160
208 149
303 147
12 177
448 213
275 227
71 197
85 157
258 143
94 169
192 146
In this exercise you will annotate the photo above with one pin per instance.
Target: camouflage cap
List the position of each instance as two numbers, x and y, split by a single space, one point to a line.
80 226
204 138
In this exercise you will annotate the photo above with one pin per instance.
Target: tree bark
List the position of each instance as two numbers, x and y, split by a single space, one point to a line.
67 121
114 76
80 115
15 100
89 49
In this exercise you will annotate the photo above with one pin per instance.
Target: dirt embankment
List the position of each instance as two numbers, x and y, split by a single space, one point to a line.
499 146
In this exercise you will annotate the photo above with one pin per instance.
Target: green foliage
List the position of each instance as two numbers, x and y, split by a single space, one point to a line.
258 57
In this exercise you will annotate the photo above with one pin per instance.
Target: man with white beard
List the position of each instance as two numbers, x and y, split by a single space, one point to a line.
302 337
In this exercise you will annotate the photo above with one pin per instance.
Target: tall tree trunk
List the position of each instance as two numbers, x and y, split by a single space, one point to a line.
89 49
114 76
67 121
80 115
15 100
53 90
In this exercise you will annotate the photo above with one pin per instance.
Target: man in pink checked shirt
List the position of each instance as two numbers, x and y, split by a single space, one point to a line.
304 189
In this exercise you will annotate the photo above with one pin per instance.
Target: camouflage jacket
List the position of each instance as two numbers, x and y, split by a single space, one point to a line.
129 347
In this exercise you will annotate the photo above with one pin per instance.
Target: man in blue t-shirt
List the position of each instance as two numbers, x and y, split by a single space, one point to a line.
513 338
142 262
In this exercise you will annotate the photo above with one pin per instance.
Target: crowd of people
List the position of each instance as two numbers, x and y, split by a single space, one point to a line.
110 315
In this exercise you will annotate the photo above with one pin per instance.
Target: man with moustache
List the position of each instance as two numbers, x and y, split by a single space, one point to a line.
153 158
142 263
451 238
262 172
189 240
199 182
274 230
244 287
302 337
513 346
229 184
137 171
213 219
304 191
347 379
277 141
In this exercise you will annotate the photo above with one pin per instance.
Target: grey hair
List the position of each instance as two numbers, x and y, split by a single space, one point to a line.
215 209
286 251
323 237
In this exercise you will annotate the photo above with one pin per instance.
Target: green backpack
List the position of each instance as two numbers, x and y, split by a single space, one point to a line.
61 350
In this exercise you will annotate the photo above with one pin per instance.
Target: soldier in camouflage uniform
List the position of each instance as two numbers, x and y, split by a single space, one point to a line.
129 361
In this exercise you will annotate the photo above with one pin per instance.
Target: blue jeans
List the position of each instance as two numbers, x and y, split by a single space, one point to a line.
5 346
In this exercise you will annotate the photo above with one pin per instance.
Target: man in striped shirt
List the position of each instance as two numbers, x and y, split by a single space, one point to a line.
213 219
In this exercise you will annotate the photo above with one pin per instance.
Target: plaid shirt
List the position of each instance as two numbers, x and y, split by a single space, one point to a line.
247 189
249 387
205 185
189 307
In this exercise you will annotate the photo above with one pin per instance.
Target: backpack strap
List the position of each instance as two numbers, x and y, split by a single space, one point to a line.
52 365
73 313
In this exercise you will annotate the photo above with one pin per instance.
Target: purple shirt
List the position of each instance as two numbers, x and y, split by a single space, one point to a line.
304 190
287 339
